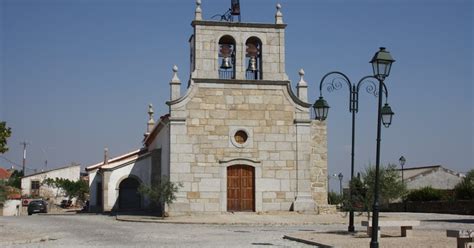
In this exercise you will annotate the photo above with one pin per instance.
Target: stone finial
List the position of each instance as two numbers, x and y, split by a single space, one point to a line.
150 112
175 84
175 78
106 155
198 11
302 87
151 122
278 15
302 82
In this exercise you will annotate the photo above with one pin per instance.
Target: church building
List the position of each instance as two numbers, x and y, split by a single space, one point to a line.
238 139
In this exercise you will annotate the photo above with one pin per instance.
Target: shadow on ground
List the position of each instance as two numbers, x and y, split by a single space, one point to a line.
462 221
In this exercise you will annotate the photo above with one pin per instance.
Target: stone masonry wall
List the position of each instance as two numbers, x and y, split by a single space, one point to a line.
318 160
213 113
206 48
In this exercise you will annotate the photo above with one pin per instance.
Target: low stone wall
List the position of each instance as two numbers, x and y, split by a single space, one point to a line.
442 207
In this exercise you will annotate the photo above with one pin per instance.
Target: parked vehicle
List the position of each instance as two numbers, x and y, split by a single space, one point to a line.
66 203
37 206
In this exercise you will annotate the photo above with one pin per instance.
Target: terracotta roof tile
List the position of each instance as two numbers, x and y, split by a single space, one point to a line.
4 174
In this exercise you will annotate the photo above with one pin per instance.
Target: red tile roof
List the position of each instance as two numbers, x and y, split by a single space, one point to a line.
4 174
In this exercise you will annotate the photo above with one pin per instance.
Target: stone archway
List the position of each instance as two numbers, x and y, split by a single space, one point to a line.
240 188
129 198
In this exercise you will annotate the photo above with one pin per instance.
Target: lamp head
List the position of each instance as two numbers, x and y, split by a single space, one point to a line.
382 63
321 108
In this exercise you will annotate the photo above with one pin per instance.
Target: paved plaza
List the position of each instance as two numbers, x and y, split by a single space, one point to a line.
227 230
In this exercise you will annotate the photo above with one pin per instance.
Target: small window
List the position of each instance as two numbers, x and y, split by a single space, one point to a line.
35 185
227 57
241 137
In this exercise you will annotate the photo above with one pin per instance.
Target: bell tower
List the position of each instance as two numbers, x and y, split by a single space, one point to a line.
235 50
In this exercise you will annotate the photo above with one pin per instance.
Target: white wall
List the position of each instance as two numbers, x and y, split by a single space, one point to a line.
438 180
93 190
11 208
71 173
140 169
162 141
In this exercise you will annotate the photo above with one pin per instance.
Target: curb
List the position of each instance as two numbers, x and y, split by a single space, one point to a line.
118 218
305 241
27 241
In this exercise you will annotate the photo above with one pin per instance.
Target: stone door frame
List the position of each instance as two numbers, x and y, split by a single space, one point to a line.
224 164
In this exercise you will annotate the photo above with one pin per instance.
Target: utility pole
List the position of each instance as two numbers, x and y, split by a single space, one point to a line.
24 144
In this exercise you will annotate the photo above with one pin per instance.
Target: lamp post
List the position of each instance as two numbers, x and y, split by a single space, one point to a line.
334 81
381 64
402 161
340 176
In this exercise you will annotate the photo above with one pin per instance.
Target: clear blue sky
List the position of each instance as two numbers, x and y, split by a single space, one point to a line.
77 75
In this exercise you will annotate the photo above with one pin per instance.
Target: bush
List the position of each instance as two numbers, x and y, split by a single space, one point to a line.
334 198
162 192
465 189
425 194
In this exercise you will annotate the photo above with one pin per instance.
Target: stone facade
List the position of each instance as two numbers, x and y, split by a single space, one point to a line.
287 150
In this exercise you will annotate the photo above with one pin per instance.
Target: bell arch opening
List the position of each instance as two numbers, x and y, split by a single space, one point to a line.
253 58
226 57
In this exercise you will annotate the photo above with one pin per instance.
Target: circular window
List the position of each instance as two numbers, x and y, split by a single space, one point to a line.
241 137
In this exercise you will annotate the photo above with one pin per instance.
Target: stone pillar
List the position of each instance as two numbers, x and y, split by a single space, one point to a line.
175 85
278 15
318 160
105 191
304 200
302 88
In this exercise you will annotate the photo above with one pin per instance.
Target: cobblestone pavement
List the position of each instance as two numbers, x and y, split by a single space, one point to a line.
105 231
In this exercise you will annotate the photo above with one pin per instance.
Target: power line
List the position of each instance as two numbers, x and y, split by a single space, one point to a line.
16 164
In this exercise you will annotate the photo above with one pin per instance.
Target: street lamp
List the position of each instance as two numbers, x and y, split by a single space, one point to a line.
381 64
402 161
334 81
340 176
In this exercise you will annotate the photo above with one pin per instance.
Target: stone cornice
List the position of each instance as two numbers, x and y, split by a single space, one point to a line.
240 81
238 24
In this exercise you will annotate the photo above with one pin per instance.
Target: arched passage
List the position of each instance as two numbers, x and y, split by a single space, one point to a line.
240 188
129 197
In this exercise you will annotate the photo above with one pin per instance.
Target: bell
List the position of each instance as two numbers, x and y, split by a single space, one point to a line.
252 64
226 63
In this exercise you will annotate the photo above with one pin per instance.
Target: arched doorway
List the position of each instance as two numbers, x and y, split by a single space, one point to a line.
129 197
240 188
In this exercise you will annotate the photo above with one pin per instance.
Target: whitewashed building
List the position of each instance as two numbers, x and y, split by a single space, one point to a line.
435 176
238 139
32 185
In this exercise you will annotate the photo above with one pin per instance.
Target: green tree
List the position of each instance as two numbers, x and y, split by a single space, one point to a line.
3 192
390 188
71 188
465 189
5 133
334 198
15 179
162 192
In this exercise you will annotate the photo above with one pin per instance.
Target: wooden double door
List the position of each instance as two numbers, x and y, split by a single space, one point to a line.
240 188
